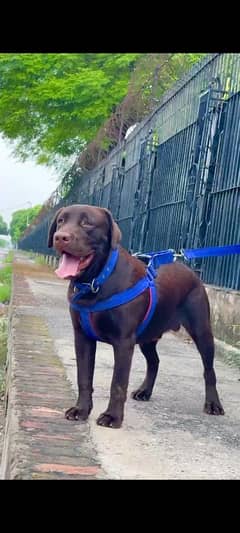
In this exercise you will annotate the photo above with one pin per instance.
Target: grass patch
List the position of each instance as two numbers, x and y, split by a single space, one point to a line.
5 293
6 274
3 351
6 279
30 254
9 257
3 243
40 260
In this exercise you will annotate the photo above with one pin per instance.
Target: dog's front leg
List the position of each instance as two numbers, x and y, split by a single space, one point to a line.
85 355
113 416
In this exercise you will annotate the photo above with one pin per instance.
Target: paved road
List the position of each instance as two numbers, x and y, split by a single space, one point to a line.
168 437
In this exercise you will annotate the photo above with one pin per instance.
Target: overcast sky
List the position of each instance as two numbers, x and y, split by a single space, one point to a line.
21 183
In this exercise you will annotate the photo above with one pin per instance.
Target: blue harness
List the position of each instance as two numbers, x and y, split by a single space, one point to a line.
81 289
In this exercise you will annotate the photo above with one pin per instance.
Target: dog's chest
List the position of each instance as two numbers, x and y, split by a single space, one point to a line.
106 324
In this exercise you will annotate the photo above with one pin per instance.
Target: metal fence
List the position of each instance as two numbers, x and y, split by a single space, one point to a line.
175 181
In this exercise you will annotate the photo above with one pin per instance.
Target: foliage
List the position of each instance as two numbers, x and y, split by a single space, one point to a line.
52 104
155 73
5 293
21 219
9 257
3 348
56 106
5 283
152 76
3 226
40 260
3 243
5 274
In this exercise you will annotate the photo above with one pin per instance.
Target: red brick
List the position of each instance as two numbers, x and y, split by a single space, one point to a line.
29 424
53 437
68 469
46 411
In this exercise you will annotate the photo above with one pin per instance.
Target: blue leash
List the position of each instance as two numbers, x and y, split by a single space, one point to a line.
212 251
168 256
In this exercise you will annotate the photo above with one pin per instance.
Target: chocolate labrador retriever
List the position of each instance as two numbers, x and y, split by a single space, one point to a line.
100 271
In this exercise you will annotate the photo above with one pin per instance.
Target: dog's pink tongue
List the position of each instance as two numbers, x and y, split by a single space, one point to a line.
68 266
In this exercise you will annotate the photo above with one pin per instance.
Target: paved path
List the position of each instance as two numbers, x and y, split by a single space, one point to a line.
168 437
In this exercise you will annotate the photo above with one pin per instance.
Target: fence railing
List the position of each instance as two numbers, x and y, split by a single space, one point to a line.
175 181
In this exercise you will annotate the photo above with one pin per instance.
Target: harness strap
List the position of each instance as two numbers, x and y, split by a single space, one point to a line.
86 322
116 299
150 310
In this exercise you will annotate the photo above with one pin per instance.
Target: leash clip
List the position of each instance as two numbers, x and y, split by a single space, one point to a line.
94 289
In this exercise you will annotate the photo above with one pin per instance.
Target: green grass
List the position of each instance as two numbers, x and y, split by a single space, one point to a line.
40 260
3 243
9 257
3 338
3 351
6 274
30 254
6 279
5 293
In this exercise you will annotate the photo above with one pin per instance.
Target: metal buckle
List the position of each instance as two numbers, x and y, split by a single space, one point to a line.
151 271
94 289
82 288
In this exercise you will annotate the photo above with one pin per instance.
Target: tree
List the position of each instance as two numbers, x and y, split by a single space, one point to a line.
20 221
3 226
152 76
51 105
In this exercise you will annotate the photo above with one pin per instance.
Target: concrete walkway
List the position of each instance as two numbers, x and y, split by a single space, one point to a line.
168 437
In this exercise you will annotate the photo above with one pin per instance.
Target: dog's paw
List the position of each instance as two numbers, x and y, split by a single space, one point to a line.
109 421
213 408
75 413
142 395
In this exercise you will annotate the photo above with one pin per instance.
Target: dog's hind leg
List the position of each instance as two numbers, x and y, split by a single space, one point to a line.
196 320
150 353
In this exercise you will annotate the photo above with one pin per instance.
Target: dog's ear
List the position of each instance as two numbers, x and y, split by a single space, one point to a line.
53 228
115 230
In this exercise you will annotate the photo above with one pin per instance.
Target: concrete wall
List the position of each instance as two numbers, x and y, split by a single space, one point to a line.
225 316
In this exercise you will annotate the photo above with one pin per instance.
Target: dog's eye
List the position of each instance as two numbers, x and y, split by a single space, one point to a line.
85 224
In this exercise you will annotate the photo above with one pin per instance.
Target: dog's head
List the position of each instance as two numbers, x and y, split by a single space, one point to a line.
81 234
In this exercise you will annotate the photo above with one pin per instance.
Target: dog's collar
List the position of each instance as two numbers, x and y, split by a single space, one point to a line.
84 288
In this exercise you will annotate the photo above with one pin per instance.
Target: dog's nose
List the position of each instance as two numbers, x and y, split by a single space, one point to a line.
62 237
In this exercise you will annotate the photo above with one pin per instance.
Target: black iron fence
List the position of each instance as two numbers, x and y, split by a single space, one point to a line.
175 181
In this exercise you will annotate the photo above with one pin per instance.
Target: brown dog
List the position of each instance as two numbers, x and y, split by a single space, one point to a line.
85 235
